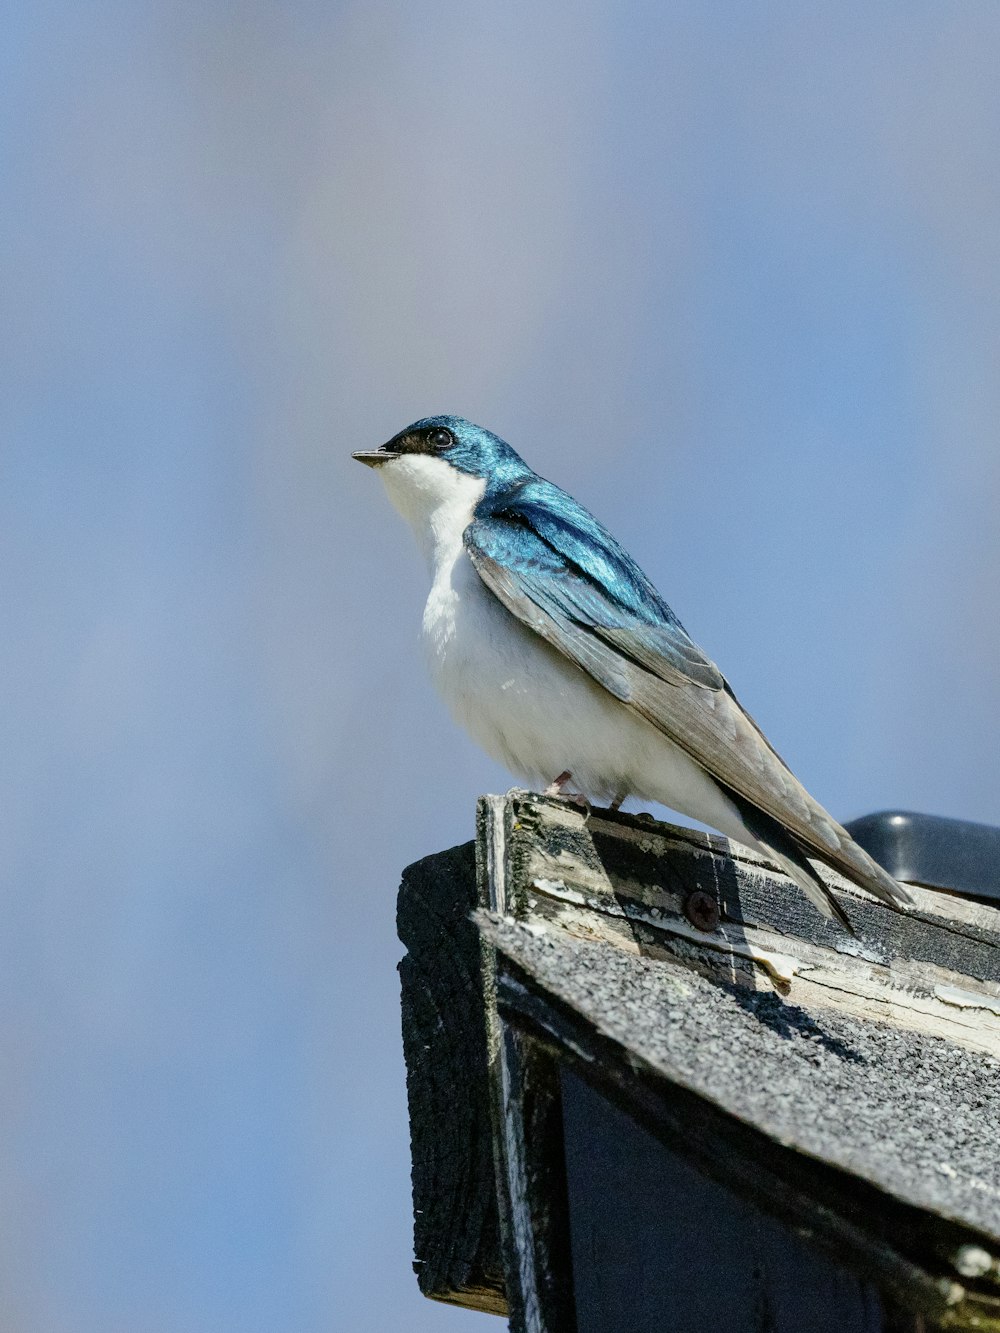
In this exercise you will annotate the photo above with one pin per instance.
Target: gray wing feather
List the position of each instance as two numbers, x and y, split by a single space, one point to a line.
702 717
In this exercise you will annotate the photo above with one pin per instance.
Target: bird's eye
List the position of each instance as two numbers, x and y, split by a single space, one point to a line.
440 438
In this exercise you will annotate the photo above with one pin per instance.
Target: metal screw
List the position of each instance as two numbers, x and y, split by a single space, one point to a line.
702 910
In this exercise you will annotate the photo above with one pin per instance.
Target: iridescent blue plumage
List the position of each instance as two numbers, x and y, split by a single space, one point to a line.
567 563
543 534
476 451
663 723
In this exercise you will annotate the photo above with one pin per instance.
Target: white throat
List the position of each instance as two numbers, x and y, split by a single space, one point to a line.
435 499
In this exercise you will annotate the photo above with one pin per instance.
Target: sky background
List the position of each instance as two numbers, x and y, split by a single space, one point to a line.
729 272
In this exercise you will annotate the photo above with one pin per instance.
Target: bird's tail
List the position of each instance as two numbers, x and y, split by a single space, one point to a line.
771 838
854 862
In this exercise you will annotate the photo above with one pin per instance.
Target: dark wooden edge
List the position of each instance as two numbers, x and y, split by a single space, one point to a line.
528 1147
490 1224
899 1248
444 1017
531 1186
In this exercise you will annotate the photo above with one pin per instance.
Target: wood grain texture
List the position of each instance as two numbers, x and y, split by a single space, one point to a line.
456 1232
848 1086
936 969
528 1148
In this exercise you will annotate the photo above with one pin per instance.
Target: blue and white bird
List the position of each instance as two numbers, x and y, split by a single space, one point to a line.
560 658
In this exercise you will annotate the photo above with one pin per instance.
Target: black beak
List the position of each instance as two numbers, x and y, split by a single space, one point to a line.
372 457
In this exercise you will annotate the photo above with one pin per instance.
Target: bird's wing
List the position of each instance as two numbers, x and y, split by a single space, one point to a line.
565 577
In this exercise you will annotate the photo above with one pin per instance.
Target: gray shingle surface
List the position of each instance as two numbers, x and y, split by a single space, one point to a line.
914 1114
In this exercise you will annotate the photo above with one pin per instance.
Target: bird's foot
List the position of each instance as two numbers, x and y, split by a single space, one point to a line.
558 788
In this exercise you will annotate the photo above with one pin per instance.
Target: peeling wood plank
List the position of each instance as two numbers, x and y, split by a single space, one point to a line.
560 854
606 886
527 1129
609 894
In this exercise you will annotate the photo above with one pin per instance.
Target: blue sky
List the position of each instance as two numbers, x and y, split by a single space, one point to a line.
728 272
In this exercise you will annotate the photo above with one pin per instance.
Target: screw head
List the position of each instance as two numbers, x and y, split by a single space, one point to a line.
702 910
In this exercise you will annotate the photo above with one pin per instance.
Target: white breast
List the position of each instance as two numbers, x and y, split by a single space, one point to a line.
523 702
520 699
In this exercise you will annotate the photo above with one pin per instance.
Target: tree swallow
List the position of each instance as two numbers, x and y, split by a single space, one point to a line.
560 658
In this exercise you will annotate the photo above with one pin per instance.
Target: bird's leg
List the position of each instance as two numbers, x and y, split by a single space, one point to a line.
616 804
557 787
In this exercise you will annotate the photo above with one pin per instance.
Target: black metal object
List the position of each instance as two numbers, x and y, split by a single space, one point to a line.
952 854
702 910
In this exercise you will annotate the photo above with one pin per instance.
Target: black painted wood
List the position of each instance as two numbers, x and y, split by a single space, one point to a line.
444 1013
531 1185
876 1135
898 1249
842 1098
658 1245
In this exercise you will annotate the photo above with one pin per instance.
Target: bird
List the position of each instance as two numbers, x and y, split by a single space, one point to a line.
559 657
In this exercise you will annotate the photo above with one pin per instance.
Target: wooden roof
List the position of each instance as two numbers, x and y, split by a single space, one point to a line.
847 1084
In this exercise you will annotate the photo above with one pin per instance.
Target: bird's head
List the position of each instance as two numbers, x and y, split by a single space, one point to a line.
437 470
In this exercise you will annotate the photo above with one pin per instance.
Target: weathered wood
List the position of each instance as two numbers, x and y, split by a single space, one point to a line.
911 1259
531 1186
444 1010
935 970
845 1088
737 1046
528 1145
